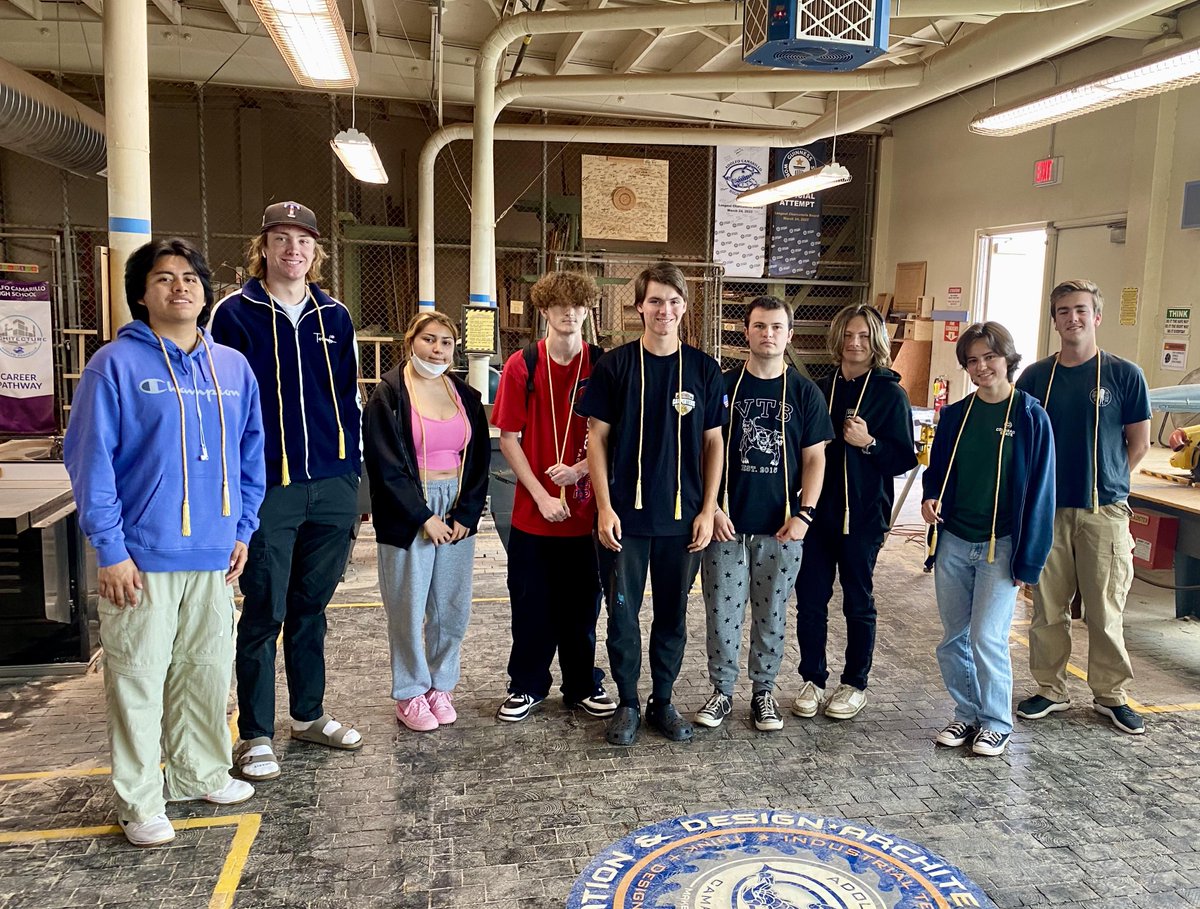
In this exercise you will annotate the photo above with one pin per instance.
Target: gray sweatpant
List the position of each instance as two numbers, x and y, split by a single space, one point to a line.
759 568
426 591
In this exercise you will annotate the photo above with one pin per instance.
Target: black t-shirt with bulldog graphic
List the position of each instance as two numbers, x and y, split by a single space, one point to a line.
614 395
755 439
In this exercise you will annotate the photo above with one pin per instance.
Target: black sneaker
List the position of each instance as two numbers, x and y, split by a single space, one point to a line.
599 705
956 734
713 713
989 742
766 712
667 720
1036 707
516 707
1123 717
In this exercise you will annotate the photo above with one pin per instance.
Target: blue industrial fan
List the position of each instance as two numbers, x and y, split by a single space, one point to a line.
822 35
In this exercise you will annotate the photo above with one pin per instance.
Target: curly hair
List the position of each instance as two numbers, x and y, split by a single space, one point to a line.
564 288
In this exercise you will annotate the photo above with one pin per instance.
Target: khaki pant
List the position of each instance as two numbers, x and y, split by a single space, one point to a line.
1092 553
167 667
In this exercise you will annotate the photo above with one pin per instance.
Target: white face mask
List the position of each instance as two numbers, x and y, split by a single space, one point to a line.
429 370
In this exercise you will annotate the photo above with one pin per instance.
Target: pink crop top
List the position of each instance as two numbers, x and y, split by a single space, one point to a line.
444 441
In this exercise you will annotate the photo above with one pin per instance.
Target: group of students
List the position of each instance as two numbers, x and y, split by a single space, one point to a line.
642 462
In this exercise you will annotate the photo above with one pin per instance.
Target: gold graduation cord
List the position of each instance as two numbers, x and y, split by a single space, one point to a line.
1095 429
285 473
937 506
560 453
787 496
637 496
185 527
462 456
212 367
999 462
845 452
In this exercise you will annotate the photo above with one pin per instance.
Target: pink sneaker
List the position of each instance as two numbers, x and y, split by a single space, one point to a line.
414 713
439 703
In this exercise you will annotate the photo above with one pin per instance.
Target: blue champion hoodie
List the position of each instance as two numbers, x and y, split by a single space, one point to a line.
124 451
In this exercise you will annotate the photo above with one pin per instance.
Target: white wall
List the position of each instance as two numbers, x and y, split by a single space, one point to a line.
948 183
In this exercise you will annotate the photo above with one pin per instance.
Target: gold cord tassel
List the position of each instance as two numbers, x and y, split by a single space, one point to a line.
992 549
933 538
678 506
341 444
225 498
186 528
285 475
637 496
846 523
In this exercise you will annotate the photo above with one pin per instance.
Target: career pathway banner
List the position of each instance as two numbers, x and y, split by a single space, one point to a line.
26 359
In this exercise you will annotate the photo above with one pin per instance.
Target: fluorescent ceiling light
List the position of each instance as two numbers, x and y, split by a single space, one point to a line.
1162 72
311 37
804 184
359 155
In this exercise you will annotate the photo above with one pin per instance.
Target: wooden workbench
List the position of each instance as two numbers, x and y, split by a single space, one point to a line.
1178 501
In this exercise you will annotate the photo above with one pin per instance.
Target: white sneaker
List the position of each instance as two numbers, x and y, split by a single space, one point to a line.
232 793
846 702
151 832
808 701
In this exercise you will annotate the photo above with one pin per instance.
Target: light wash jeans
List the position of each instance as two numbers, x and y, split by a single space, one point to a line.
976 602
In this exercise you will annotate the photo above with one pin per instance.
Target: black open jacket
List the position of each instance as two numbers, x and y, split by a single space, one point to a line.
398 508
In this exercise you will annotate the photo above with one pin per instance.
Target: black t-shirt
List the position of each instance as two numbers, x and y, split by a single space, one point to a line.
753 435
1124 399
614 396
975 475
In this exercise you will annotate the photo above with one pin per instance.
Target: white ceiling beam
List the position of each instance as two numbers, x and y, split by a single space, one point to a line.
571 41
637 50
372 18
235 10
783 99
31 8
705 54
172 9
96 6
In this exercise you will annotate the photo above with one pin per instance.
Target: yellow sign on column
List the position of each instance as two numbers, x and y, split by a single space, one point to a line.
1129 305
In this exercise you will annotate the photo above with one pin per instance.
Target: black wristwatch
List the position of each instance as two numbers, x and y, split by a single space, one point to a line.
805 513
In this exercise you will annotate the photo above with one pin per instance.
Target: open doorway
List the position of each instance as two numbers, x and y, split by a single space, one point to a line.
1012 275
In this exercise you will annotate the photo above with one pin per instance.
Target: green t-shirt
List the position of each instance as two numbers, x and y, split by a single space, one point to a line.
975 475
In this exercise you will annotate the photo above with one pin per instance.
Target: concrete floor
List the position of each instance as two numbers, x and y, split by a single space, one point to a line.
482 814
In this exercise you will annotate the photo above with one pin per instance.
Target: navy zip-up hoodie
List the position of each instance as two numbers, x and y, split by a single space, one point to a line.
123 454
242 320
1031 480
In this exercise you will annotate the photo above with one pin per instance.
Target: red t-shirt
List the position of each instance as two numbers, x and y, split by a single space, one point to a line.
510 413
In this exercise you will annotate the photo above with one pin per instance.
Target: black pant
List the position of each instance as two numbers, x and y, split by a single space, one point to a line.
826 551
672 570
554 588
295 562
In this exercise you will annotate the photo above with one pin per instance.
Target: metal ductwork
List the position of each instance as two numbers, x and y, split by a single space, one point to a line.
38 120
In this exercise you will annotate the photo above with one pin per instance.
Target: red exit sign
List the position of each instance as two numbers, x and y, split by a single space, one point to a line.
1047 171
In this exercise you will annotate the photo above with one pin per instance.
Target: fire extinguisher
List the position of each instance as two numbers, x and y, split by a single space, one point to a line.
941 392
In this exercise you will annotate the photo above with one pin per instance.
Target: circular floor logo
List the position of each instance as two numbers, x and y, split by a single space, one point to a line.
769 859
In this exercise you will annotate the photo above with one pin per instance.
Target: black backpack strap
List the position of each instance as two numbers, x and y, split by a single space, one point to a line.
531 361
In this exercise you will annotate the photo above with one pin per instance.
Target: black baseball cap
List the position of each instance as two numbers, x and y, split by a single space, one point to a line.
281 213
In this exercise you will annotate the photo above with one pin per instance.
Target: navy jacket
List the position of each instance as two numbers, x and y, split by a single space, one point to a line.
242 321
1031 481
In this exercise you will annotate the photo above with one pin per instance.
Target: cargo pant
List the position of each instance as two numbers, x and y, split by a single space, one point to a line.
167 668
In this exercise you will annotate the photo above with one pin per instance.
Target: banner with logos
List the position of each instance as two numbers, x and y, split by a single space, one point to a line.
795 223
26 359
739 232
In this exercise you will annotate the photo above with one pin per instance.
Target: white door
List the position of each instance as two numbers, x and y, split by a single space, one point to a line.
1088 252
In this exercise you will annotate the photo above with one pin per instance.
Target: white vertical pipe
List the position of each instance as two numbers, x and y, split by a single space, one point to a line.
127 125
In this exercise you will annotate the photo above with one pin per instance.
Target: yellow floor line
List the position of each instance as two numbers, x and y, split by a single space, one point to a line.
246 830
54 774
1136 705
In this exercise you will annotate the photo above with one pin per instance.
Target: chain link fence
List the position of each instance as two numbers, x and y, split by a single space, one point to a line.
219 155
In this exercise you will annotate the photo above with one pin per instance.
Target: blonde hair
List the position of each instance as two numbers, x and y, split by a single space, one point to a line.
1077 286
881 348
417 324
256 259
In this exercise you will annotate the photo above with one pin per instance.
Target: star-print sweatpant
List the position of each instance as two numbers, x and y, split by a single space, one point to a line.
758 568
